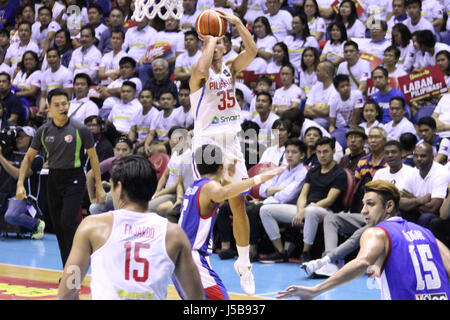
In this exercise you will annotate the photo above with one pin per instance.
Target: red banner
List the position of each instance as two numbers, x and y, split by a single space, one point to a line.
423 85
359 9
393 83
373 60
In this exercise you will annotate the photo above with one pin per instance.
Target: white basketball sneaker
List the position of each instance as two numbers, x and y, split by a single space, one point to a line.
247 280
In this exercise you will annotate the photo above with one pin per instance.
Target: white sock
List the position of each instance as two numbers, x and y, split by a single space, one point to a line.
244 255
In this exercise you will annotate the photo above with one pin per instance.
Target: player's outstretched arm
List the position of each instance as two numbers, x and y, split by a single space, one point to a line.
372 247
78 262
219 193
186 272
244 58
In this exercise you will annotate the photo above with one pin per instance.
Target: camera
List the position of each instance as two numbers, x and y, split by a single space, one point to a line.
8 140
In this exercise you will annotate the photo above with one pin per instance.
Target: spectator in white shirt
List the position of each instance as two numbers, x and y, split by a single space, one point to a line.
144 124
43 30
28 79
424 191
264 38
308 67
81 107
282 130
254 9
95 15
433 11
378 42
265 118
75 18
427 132
429 48
299 39
127 71
402 39
137 40
58 10
289 95
317 105
316 24
443 59
185 61
348 16
334 48
397 173
15 51
190 14
86 59
126 113
358 69
280 57
109 65
171 37
415 21
371 115
399 15
345 104
390 59
157 140
185 114
56 76
280 20
264 84
442 116
399 124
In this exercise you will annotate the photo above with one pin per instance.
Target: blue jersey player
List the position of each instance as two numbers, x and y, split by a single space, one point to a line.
199 211
409 262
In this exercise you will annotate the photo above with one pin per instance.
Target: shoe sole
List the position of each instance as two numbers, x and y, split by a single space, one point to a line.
241 277
272 261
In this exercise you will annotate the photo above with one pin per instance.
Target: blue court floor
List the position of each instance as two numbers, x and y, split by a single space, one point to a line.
269 278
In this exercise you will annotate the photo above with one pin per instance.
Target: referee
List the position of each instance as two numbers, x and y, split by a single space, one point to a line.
64 141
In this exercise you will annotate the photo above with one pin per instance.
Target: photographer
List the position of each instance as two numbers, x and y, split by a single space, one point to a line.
20 212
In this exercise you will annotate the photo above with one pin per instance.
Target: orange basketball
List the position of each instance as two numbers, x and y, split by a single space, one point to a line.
210 23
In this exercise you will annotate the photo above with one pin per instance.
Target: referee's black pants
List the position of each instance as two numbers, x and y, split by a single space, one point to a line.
65 189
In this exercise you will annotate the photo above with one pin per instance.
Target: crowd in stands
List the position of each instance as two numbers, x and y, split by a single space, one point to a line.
323 96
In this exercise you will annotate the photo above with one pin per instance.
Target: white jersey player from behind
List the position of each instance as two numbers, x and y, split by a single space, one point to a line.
217 120
132 252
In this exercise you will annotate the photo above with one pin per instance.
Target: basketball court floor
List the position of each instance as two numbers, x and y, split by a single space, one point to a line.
30 269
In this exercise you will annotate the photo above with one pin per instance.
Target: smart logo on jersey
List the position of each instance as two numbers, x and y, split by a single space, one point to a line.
223 119
215 120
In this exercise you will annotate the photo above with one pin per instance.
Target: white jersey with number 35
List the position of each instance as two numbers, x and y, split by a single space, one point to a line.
216 110
133 263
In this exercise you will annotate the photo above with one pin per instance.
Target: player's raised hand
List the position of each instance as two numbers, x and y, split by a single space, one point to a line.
304 293
231 169
207 38
231 18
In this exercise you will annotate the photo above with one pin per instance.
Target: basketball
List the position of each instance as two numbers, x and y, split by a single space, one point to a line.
210 23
